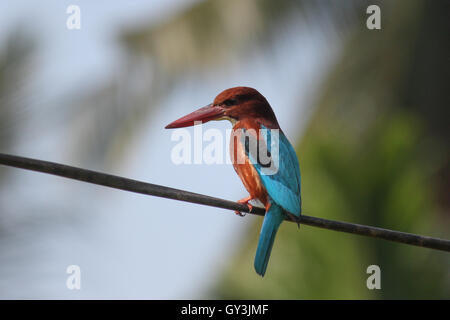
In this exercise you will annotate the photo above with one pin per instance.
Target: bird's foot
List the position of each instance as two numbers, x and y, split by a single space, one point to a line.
244 201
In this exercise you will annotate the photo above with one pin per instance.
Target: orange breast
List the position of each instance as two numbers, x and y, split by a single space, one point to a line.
245 170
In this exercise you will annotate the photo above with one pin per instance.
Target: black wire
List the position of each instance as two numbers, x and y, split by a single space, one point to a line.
126 184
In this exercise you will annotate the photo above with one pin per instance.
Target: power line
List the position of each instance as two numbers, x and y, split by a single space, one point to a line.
126 184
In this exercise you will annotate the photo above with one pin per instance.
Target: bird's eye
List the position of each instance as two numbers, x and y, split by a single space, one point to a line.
230 102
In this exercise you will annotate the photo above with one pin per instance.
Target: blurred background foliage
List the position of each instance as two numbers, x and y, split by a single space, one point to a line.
15 56
375 150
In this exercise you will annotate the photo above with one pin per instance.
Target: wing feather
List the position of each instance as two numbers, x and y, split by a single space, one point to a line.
281 175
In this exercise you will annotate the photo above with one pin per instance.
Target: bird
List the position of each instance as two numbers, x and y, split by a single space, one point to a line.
275 182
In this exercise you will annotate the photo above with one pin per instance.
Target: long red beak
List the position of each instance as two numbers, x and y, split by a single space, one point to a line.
205 114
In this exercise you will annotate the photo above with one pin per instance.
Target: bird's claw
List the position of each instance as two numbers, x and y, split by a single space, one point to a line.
240 214
244 201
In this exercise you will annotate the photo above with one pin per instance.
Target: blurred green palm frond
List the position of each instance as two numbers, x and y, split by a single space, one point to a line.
212 33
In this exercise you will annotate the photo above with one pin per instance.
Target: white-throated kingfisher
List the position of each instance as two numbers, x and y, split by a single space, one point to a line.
277 189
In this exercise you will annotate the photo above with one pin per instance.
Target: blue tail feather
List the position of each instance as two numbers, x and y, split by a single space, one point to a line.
271 223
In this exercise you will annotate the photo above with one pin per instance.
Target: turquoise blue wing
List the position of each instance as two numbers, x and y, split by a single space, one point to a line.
276 162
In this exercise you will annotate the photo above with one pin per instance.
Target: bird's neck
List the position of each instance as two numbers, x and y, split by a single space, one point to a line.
255 123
